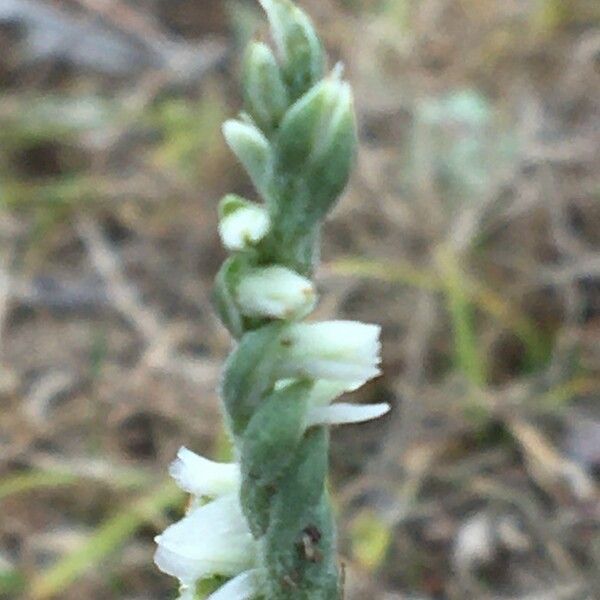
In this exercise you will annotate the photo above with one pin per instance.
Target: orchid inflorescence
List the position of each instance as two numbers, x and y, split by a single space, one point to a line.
264 523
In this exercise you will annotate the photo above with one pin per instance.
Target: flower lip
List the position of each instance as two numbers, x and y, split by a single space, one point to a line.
343 413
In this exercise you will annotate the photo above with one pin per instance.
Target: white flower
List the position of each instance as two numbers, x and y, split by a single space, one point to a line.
202 477
244 227
275 292
212 539
340 350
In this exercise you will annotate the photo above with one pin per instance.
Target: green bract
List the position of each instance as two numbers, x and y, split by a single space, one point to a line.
265 93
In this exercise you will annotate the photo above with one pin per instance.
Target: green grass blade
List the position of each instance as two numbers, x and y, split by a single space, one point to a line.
469 357
109 536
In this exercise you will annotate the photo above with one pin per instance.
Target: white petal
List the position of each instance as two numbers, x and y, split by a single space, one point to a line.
342 350
242 587
211 540
342 413
275 292
202 477
244 227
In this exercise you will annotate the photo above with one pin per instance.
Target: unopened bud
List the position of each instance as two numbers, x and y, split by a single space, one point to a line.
317 142
265 92
252 149
298 44
275 292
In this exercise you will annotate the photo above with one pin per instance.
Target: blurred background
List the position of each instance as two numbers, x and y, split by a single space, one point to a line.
470 231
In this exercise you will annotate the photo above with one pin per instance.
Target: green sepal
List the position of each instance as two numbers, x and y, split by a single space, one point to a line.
315 147
268 447
304 124
293 239
301 51
329 171
256 502
274 431
299 546
265 94
253 150
223 295
250 373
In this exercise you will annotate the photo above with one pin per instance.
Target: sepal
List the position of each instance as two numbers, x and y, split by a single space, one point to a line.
265 94
250 373
316 144
223 295
302 55
253 150
268 447
300 542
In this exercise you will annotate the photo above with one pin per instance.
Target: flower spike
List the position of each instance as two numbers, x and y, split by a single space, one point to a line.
265 522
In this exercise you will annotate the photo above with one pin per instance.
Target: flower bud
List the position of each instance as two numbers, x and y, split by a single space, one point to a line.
253 150
242 224
275 292
264 90
341 350
298 44
317 142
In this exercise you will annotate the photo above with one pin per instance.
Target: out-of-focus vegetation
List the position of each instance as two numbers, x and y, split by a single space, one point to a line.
471 231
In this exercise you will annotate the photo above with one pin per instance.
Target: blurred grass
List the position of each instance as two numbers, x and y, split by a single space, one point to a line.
370 539
190 132
40 479
553 15
468 352
108 537
461 291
